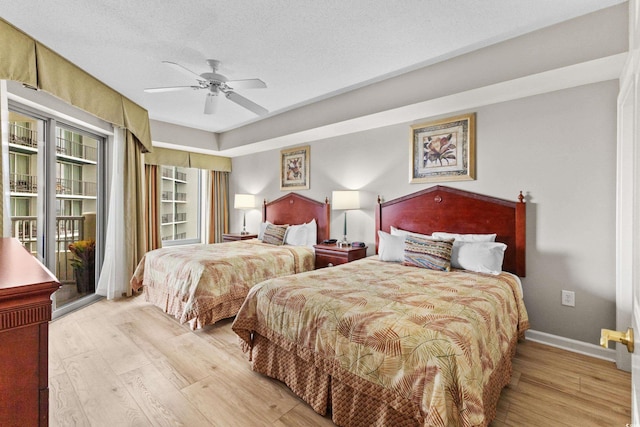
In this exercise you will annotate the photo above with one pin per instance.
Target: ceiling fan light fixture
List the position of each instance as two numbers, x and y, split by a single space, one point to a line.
211 103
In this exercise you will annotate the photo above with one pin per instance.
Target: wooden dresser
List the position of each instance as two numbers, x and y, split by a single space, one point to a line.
25 310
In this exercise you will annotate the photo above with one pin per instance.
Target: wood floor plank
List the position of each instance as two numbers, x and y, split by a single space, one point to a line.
126 363
161 402
302 415
65 408
117 349
246 405
103 396
71 339
156 348
55 362
568 407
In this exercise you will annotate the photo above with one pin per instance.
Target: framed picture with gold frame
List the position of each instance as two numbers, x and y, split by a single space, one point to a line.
294 168
444 150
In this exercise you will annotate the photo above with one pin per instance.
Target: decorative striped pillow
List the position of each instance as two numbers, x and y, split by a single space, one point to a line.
274 234
434 254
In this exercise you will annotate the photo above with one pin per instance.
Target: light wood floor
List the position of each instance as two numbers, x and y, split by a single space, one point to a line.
126 363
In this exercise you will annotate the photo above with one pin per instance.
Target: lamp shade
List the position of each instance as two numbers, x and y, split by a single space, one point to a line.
244 201
345 200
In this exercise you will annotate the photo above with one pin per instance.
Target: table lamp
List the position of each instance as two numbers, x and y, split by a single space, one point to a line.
345 201
244 202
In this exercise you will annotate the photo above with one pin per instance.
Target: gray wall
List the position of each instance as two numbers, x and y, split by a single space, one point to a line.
559 148
546 124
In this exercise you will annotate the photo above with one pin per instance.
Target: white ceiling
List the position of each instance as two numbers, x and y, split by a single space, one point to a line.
305 50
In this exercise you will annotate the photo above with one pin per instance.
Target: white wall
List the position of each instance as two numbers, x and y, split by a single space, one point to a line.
559 148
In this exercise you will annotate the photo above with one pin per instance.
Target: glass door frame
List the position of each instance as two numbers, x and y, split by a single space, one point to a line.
46 200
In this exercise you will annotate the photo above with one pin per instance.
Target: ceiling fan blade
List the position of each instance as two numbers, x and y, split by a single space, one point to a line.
211 103
244 102
169 89
183 70
247 84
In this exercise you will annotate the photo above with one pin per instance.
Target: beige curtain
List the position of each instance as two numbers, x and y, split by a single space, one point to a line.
219 202
134 225
152 211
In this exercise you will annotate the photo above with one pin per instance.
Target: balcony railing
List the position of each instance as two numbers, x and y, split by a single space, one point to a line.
24 229
170 195
75 188
21 135
178 236
167 218
168 173
21 183
75 149
69 229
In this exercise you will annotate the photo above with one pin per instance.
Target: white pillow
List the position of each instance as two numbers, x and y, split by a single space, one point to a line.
481 257
296 235
465 237
404 233
390 247
263 226
312 233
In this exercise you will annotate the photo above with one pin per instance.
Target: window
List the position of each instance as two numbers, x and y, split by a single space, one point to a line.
179 205
68 207
20 206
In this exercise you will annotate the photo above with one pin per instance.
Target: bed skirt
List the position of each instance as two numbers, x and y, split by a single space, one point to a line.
353 403
175 307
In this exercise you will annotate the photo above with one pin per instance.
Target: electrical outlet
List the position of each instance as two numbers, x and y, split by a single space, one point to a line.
569 298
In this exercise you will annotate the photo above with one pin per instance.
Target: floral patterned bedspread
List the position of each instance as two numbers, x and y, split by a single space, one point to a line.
432 338
194 279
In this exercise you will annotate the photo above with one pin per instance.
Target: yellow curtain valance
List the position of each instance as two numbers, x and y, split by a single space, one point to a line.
25 60
209 162
185 159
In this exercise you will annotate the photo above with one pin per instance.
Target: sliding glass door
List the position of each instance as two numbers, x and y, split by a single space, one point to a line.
55 184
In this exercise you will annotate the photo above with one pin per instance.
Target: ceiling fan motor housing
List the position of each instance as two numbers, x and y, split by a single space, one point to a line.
214 77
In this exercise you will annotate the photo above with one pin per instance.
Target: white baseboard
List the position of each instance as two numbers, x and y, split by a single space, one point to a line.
571 345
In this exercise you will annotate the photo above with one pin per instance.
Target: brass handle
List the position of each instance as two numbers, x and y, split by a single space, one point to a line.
625 338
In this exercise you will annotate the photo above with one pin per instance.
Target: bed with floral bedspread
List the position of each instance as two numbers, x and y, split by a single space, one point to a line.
202 284
380 343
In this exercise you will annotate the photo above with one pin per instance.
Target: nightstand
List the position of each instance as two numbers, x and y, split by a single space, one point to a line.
330 255
232 237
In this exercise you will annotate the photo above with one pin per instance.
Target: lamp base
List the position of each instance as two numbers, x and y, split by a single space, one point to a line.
344 243
244 232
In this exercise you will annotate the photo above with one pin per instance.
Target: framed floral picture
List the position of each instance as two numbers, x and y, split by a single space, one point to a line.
444 150
294 168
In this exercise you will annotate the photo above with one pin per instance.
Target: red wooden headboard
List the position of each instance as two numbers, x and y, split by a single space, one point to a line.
292 208
450 210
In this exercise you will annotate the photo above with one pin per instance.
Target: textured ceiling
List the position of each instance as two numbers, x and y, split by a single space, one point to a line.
304 50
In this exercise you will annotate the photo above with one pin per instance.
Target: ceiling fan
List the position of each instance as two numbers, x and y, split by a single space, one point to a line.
216 83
